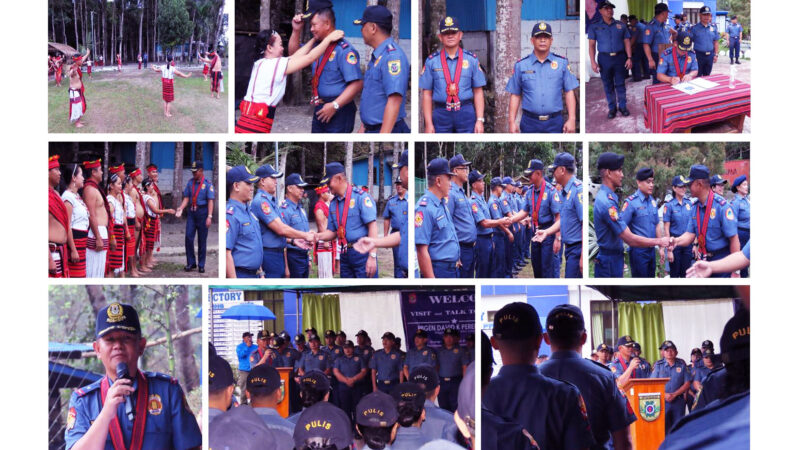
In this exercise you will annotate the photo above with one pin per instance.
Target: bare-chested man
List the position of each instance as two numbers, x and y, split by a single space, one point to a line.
215 62
77 97
58 223
97 204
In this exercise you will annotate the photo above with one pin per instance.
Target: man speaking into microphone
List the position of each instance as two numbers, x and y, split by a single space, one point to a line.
128 408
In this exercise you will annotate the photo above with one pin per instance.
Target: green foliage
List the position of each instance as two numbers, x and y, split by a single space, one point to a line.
174 25
740 8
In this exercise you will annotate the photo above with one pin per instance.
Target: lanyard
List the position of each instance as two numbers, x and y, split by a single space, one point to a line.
625 367
318 73
536 204
341 216
141 416
703 228
677 65
452 83
195 193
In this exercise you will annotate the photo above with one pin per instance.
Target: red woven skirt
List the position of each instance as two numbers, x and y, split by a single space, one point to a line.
115 257
255 118
78 269
167 90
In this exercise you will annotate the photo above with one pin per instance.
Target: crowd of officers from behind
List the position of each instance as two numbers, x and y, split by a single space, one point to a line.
348 378
571 402
462 235
691 230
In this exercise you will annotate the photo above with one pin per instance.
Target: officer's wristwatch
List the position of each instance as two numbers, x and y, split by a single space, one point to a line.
335 105
481 119
374 255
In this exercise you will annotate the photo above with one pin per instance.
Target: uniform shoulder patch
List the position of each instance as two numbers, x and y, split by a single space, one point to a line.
87 389
433 55
467 52
559 56
631 197
423 201
230 210
343 43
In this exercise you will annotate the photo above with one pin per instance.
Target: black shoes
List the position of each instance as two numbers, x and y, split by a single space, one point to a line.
189 267
624 112
612 113
202 270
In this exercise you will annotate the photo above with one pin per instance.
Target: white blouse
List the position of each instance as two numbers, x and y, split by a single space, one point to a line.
80 213
119 213
147 205
167 71
129 206
267 81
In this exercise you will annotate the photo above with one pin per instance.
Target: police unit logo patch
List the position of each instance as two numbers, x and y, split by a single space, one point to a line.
713 213
624 206
542 26
321 357
154 405
448 21
554 65
494 206
114 313
352 203
71 417
688 59
465 64
678 369
394 356
418 219
619 26
394 67
649 406
265 208
687 40
647 32
351 58
367 202
425 353
612 212
729 214
474 207
333 56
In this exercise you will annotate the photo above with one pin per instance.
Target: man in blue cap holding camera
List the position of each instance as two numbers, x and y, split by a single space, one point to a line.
242 235
438 252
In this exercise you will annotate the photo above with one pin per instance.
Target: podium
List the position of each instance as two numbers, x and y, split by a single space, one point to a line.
646 397
286 375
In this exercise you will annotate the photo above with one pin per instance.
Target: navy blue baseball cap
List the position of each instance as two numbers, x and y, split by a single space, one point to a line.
626 341
507 181
375 14
409 393
708 353
475 175
661 7
242 428
295 180
697 351
317 380
220 374
564 159
425 376
330 170
268 171
263 379
636 346
117 317
705 9
449 25
684 41
716 179
458 161
240 173
323 421
644 173
403 161
421 333
604 348
679 181
610 161
534 165
388 335
737 181
698 172
565 321
668 344
606 5
496 181
542 28
312 6
466 398
734 345
438 166
516 321
377 409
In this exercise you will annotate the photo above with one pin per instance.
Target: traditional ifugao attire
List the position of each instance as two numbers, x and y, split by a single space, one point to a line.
58 251
119 63
130 216
58 69
154 168
216 76
115 258
96 261
77 98
324 252
150 225
80 231
264 92
140 62
89 67
205 69
168 83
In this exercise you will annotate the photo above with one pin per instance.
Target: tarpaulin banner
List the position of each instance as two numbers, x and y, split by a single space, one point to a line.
436 311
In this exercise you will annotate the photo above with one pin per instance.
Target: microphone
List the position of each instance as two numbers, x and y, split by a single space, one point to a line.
122 372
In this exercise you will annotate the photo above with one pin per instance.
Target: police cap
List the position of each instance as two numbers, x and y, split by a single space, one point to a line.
220 374
267 171
241 428
388 335
684 41
644 173
698 172
624 341
735 341
375 14
458 161
425 376
449 25
409 393
610 161
295 180
564 159
323 421
475 175
376 410
661 7
317 380
263 379
315 5
534 165
438 166
117 317
679 181
542 28
240 173
705 10
403 161
516 321
564 321
330 170
736 182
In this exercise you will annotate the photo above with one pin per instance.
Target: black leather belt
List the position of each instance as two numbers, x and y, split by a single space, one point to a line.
611 53
444 104
247 271
541 117
467 244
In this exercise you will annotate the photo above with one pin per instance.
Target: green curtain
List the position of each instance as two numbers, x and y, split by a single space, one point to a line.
643 9
321 312
597 330
645 324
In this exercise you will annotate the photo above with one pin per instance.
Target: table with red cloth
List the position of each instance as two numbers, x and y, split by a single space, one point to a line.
667 110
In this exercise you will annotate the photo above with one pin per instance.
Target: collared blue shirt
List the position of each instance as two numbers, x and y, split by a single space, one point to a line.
700 372
342 68
637 32
610 37
733 30
206 191
439 423
365 352
433 78
388 73
640 212
505 204
242 235
721 426
282 358
480 212
496 211
550 410
292 355
169 424
351 366
451 361
704 37
741 211
408 438
607 407
617 368
294 215
677 373
387 365
315 361
333 353
608 223
721 223
265 207
666 64
243 352
656 33
273 420
360 212
460 211
677 214
433 226
418 357
571 199
396 211
540 84
546 205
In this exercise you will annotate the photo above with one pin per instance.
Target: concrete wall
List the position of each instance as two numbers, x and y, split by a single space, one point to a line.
566 35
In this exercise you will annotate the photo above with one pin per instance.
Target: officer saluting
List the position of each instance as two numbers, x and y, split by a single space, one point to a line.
538 81
242 235
640 212
657 36
201 193
452 99
293 215
435 236
386 79
706 42
678 63
128 408
352 216
336 75
460 211
612 40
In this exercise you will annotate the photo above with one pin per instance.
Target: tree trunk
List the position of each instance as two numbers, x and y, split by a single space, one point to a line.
381 181
348 160
282 164
370 167
96 298
303 163
425 154
103 26
263 20
184 350
194 29
508 49
140 151
141 22
394 7
298 96
177 176
53 23
121 28
324 153
438 12
254 150
75 23
63 26
168 325
155 30
106 153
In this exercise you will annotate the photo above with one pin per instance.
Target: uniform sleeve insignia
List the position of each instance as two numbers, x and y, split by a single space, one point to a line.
713 213
494 206
582 406
394 67
465 64
351 58
554 65
71 417
230 210
611 197
211 188
688 207
367 202
660 61
647 32
203 186
613 369
227 225
265 208
728 214
154 405
418 219
625 206
352 203
612 212
678 369
475 207
580 197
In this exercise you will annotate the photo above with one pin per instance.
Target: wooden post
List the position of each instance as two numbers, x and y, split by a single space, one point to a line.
507 52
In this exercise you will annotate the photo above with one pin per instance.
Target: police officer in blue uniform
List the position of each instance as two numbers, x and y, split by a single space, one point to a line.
741 211
520 241
336 76
626 366
386 366
452 101
676 218
679 380
334 352
103 414
551 410
706 42
395 219
636 29
501 235
537 83
487 226
386 79
678 63
420 354
644 366
612 41
438 422
610 414
242 235
657 36
734 32
452 364
200 192
701 369
640 213
293 215
352 216
350 370
315 359
438 252
570 222
508 208
460 210
264 393
711 221
680 24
